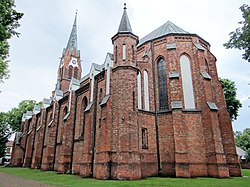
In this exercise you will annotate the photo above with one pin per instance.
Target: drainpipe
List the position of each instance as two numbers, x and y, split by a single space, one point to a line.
94 127
73 135
44 134
55 143
156 113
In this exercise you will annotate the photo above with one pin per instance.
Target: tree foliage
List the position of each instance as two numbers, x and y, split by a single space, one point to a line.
240 39
233 104
4 134
14 116
242 140
10 121
9 18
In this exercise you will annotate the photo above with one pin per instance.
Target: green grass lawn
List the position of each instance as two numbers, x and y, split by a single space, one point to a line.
53 178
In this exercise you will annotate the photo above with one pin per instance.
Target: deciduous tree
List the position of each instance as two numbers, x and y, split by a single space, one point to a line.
242 140
9 21
233 104
240 38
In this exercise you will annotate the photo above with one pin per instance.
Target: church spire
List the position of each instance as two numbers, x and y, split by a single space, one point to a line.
125 24
72 42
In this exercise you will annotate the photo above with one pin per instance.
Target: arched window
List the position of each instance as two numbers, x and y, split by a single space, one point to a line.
139 90
50 117
146 93
124 52
75 72
108 80
115 53
187 83
100 95
133 53
162 84
70 72
65 111
206 66
84 105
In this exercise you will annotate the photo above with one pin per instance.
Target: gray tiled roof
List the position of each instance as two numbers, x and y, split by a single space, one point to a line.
125 24
72 43
165 29
241 153
84 78
98 67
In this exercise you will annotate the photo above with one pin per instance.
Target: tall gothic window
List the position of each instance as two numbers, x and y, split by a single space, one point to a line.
162 84
84 105
206 66
75 72
139 90
100 95
146 93
70 71
187 83
108 80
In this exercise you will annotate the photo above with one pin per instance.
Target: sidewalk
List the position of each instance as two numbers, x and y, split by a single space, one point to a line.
7 180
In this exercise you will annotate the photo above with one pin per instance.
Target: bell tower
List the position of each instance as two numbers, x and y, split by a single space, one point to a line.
70 63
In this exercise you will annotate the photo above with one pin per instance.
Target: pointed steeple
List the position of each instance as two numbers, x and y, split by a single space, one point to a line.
125 24
72 43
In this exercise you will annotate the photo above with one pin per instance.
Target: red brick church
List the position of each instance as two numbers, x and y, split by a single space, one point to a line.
154 107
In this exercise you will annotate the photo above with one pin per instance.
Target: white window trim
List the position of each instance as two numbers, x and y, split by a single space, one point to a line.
146 93
139 90
124 52
108 80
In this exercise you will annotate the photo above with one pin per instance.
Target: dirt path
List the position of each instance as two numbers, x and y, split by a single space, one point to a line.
7 180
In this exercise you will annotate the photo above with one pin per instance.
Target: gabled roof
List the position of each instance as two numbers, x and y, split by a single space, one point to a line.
125 24
165 29
241 153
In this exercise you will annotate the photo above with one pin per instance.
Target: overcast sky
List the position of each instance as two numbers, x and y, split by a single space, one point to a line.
46 25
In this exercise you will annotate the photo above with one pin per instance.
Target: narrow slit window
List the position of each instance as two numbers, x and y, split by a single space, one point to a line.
124 52
75 72
115 53
133 100
144 138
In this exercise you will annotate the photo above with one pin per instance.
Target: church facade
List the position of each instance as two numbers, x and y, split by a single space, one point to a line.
154 107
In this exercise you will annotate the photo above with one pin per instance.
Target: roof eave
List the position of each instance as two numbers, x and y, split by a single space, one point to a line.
173 34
